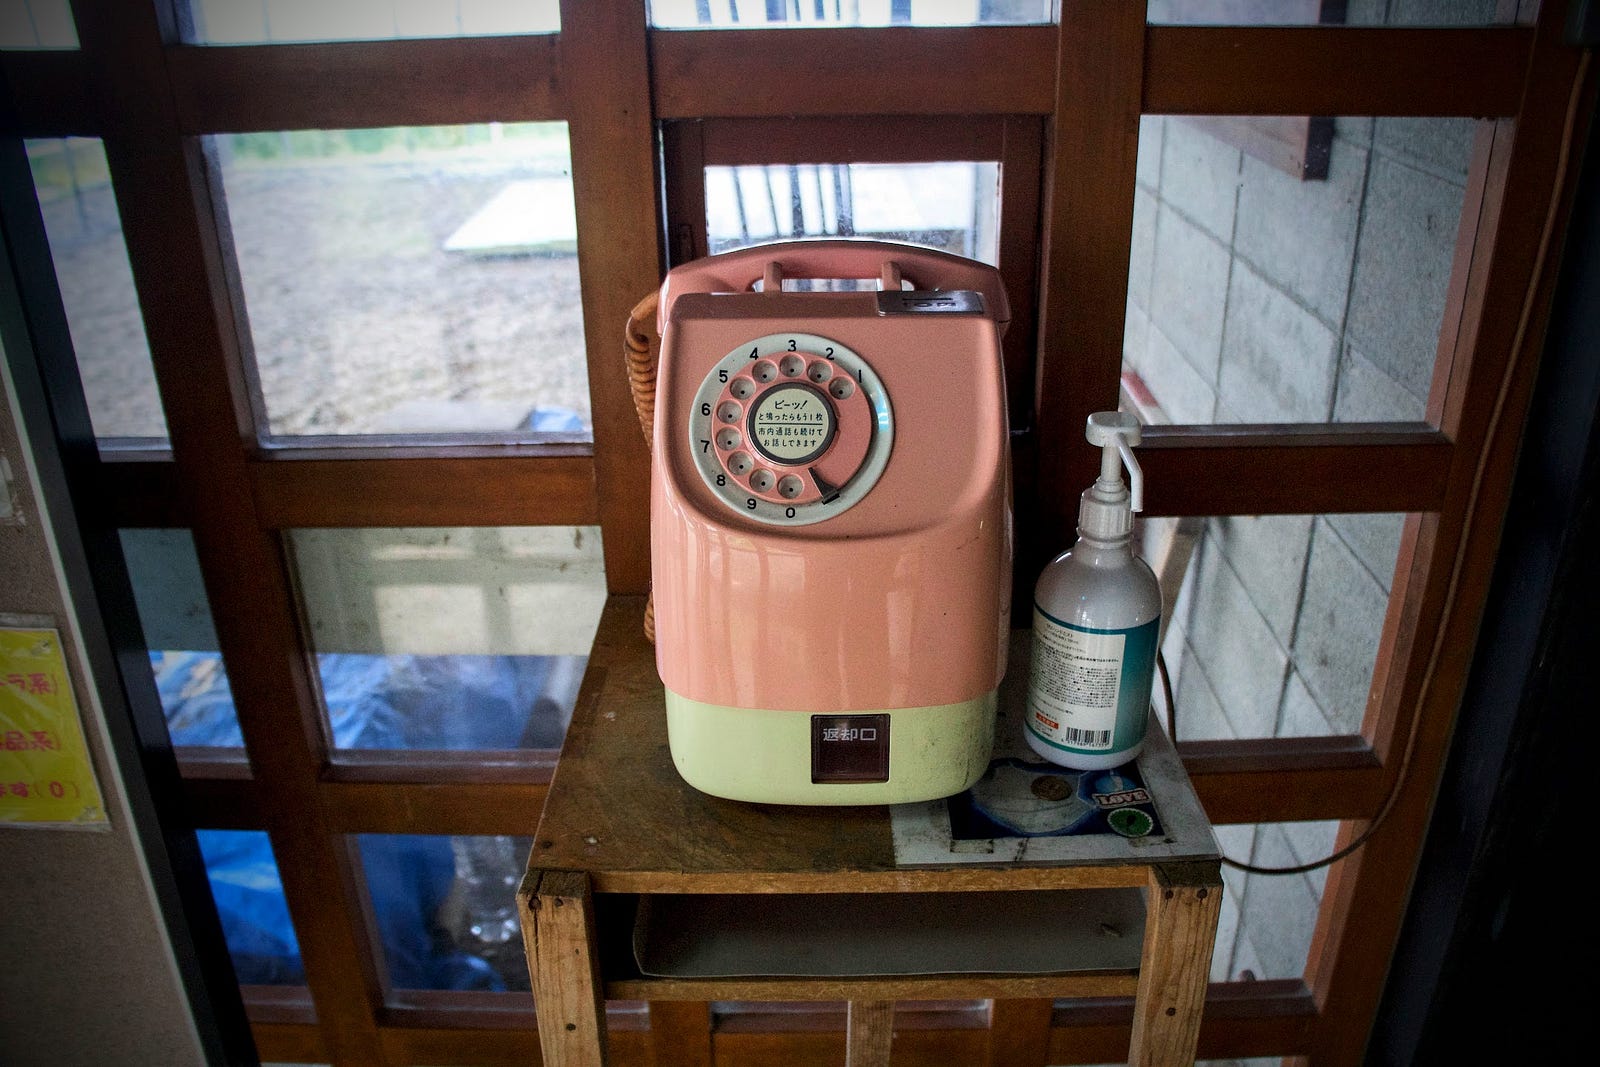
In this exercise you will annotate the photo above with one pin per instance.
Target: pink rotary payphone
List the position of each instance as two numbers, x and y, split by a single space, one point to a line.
831 522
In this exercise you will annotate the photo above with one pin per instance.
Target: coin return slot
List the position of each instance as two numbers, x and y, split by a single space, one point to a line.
742 388
792 366
740 463
789 486
764 372
727 438
729 411
762 481
841 388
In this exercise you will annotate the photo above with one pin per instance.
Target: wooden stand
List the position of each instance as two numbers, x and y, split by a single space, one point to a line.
620 828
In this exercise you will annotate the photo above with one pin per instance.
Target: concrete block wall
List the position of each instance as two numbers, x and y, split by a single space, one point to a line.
1254 296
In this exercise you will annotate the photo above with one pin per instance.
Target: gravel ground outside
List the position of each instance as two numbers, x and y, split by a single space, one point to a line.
355 308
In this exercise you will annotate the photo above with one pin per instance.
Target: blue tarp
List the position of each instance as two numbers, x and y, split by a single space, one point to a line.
373 702
387 702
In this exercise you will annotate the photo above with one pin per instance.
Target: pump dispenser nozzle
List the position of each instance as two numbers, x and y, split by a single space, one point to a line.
1105 511
1096 604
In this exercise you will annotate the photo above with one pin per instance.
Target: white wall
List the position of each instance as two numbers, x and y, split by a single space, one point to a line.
86 974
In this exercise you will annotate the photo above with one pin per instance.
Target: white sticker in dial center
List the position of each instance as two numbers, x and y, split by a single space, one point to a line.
792 424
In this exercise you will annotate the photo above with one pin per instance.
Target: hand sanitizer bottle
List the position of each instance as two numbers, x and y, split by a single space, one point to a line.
1096 614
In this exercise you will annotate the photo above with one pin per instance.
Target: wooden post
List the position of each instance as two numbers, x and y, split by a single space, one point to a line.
1180 926
558 932
619 253
869 1029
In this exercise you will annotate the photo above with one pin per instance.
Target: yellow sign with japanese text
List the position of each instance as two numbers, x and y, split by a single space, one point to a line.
45 773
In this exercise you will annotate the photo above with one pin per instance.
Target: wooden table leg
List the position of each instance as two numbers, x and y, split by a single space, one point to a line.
1184 902
558 932
869 1031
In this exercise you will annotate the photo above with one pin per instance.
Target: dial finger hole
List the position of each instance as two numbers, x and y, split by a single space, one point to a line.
728 411
742 388
727 438
789 486
792 366
764 371
740 463
820 372
841 388
762 481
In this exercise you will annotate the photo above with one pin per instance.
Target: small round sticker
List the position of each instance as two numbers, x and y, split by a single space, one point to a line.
792 424
1130 822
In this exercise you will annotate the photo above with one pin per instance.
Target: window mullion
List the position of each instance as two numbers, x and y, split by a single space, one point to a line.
619 252
182 270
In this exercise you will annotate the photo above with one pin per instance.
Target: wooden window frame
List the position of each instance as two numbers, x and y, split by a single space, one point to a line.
151 98
1015 142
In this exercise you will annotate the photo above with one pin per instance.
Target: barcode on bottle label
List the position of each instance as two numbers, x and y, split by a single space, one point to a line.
1089 690
1087 738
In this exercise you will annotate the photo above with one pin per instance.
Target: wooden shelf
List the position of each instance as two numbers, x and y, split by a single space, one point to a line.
623 834
1103 931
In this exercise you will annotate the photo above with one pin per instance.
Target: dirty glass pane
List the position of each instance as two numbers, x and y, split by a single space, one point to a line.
1277 621
1267 286
1265 928
445 910
1305 12
411 280
261 21
954 207
461 639
73 184
255 916
750 14
176 618
37 24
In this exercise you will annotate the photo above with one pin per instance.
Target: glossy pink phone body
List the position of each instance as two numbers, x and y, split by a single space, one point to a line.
903 599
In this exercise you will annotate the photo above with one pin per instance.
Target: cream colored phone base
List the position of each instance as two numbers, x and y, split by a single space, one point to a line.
777 757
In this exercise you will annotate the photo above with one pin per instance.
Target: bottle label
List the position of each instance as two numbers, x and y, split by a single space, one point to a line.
1089 690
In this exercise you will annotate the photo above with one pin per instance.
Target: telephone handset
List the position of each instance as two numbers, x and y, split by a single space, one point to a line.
830 521
791 428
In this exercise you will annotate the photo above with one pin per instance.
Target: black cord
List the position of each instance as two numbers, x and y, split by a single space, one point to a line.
1166 693
1300 868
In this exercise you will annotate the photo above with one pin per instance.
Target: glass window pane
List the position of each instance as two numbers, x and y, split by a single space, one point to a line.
445 909
1305 12
954 207
259 21
463 639
1258 295
255 916
37 24
411 280
176 618
73 184
1276 626
747 14
1267 920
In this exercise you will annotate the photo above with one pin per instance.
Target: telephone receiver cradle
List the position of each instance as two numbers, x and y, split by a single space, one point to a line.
830 522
